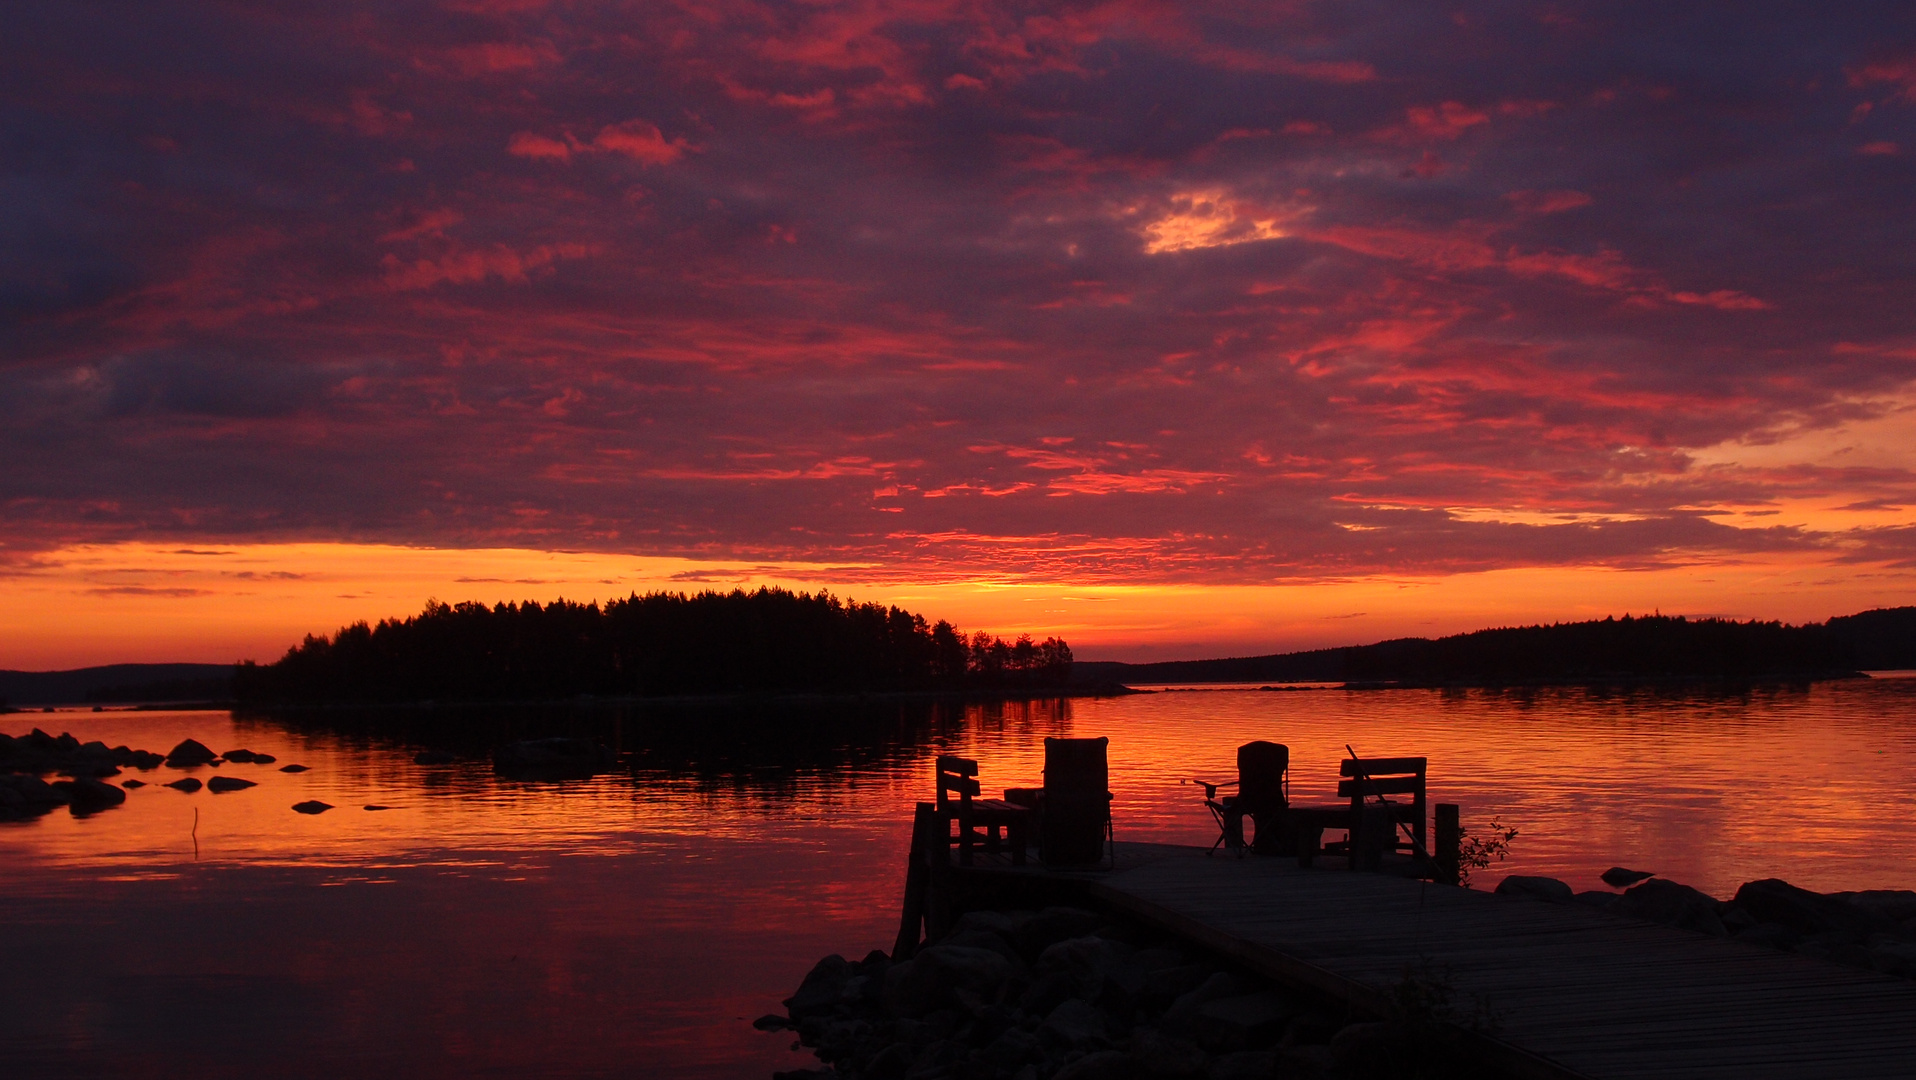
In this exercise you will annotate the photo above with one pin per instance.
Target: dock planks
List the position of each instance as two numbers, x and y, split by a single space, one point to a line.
1575 992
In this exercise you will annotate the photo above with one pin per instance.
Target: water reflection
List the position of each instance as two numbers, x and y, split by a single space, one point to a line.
577 928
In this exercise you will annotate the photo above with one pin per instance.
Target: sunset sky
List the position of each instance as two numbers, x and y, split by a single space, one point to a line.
1177 329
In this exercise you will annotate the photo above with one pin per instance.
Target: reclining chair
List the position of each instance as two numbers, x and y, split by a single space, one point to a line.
1263 795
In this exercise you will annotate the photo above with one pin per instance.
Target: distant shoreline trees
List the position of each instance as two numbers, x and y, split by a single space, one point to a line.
1632 648
659 644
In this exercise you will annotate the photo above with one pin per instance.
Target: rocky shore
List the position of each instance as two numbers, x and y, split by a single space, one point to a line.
1068 994
1873 929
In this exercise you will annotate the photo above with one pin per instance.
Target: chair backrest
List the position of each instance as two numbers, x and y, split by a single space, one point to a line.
1261 767
1077 801
956 776
1076 767
1372 777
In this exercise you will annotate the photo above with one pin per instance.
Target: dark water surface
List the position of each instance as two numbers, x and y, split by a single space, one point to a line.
633 924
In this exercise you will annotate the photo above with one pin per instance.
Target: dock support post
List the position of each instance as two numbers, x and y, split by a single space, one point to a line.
1449 844
917 884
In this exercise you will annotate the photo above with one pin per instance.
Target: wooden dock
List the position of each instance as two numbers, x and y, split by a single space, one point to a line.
1574 992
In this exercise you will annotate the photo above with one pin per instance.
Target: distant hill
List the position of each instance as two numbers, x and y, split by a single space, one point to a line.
1629 649
113 683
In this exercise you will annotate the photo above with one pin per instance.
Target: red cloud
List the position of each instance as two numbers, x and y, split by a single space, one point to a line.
640 140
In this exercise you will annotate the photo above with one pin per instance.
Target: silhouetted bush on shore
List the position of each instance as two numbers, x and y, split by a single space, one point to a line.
659 644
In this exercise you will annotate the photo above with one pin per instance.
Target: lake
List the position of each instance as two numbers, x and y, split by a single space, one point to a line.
635 923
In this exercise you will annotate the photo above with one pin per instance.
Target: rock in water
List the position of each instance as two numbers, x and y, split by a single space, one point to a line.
264 759
551 759
292 768
240 756
376 806
187 784
131 784
228 783
190 752
1618 877
312 806
88 794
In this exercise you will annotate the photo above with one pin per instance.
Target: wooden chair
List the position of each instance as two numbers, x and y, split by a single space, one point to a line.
1370 816
1370 783
993 822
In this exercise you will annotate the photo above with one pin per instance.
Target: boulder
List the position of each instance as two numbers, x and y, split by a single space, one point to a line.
220 784
189 753
1221 985
1163 1057
1245 1022
1245 1065
1890 905
89 794
1003 924
1013 1047
187 784
1046 992
242 756
1076 1025
551 759
264 759
292 768
820 991
1661 901
312 806
99 770
1165 985
772 1022
433 757
1090 962
910 991
1052 925
1102 1065
1536 888
131 784
1160 958
956 967
25 789
1777 901
981 939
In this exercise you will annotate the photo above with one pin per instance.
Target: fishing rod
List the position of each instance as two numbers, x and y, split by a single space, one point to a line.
1363 779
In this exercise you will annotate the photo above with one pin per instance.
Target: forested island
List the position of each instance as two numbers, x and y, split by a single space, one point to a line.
1645 648
660 644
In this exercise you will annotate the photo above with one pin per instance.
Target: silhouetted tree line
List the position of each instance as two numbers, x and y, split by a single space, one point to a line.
657 644
1646 647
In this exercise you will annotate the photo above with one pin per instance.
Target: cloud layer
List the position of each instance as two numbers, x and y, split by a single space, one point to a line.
1106 292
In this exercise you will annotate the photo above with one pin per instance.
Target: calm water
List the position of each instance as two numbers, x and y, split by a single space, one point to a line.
633 924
